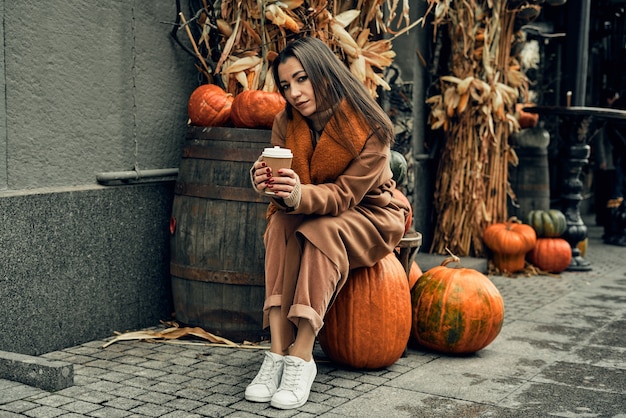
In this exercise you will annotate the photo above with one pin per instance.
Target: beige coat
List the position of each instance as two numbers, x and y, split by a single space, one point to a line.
355 221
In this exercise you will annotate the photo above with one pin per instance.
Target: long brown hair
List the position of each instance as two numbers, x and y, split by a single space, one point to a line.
333 82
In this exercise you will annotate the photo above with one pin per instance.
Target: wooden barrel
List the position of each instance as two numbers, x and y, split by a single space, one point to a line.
217 225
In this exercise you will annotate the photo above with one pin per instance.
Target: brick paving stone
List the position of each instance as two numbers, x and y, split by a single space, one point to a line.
107 412
104 386
181 414
151 410
343 393
193 393
335 400
83 380
54 400
174 378
100 364
154 364
95 396
72 391
19 406
140 382
127 368
241 414
344 383
107 355
81 407
150 373
116 376
213 410
123 403
84 350
128 360
128 392
346 374
365 387
17 392
181 404
222 399
184 361
155 398
374 380
163 387
179 369
44 412
7 414
320 387
227 379
82 370
142 352
203 374
227 389
314 408
318 397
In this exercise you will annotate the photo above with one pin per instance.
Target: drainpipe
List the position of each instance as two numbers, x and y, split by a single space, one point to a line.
161 174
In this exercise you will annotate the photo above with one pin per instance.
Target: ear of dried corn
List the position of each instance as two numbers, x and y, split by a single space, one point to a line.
476 110
250 33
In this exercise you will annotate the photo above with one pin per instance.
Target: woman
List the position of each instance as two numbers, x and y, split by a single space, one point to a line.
332 212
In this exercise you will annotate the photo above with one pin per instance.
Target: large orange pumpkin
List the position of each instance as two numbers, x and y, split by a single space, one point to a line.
369 324
455 310
510 241
553 255
209 105
256 108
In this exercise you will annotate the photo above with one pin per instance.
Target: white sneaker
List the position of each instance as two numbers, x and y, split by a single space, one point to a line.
266 382
295 385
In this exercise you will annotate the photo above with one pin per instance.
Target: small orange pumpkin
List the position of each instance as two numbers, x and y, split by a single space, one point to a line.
553 255
526 119
455 310
256 108
369 324
510 241
209 105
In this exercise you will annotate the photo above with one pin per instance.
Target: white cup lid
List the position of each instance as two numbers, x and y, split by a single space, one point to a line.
277 152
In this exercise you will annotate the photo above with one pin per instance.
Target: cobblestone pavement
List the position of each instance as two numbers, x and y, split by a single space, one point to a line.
561 352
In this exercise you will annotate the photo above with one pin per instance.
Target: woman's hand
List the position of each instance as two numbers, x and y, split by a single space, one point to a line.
261 173
283 182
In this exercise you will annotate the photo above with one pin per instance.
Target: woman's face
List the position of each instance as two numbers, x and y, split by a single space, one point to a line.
296 86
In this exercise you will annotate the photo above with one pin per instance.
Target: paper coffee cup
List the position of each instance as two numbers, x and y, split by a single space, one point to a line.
277 158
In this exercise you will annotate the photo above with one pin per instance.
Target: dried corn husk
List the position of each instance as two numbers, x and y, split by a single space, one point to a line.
176 332
475 108
354 30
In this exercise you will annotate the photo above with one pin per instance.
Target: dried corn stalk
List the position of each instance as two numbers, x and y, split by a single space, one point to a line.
475 108
235 44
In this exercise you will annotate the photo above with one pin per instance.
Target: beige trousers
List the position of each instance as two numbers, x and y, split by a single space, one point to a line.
299 278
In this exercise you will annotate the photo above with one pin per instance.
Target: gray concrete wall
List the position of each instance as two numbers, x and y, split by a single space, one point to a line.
82 262
89 87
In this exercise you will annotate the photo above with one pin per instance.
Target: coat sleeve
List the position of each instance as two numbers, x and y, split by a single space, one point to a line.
363 179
